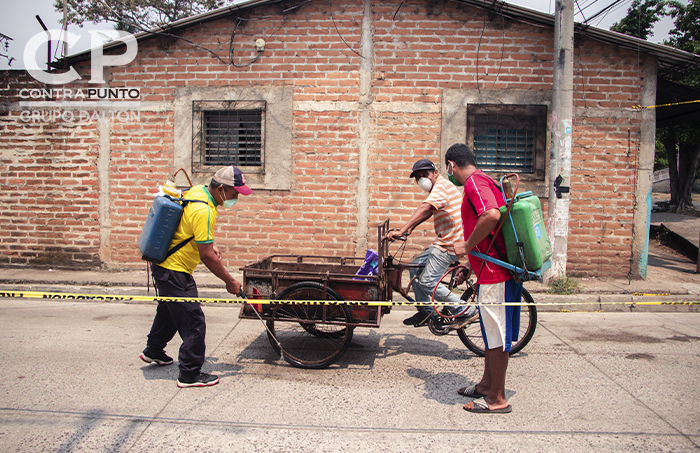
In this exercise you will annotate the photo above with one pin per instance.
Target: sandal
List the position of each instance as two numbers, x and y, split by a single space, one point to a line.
481 407
470 392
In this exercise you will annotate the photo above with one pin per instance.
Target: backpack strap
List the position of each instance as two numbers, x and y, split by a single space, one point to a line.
184 201
177 247
183 243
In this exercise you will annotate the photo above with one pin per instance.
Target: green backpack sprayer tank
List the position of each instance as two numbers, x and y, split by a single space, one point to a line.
525 218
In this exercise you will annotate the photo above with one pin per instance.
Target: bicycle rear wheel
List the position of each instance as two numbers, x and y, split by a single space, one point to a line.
310 335
471 333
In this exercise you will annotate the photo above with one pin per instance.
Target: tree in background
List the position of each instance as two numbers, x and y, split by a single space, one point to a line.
640 18
135 15
678 146
682 142
686 35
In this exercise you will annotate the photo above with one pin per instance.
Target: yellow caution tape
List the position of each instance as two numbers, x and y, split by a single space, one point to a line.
123 298
665 105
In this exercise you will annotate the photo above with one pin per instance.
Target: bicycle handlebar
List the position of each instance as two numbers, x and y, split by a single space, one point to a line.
403 237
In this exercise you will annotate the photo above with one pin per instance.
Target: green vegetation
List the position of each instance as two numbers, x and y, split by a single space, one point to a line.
563 286
677 146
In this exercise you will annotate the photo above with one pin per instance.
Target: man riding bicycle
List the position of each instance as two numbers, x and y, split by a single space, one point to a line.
443 204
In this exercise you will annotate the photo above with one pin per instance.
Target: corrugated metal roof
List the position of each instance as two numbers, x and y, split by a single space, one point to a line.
669 57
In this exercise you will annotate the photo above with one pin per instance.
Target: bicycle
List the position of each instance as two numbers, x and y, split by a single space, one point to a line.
469 331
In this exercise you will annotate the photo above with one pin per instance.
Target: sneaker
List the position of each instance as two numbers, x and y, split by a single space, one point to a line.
416 320
468 317
203 380
150 356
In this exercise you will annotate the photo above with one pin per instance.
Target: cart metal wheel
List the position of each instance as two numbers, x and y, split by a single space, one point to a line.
471 333
310 335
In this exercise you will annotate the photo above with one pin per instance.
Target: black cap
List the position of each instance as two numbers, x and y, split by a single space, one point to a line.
423 164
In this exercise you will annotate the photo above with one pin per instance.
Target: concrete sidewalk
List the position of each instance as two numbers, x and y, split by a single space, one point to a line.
671 278
71 381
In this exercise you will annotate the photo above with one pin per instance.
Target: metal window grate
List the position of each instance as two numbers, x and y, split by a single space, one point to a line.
232 137
504 143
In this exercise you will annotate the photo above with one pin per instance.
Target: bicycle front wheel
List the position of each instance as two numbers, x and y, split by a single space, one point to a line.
471 333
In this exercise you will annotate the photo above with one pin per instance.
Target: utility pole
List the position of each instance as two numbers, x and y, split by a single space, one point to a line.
560 156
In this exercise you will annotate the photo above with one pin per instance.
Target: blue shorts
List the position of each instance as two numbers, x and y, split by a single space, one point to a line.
500 324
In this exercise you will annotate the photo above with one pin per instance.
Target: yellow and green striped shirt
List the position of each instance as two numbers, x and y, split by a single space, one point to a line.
198 220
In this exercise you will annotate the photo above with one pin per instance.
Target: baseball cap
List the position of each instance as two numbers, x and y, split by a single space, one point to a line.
423 164
232 176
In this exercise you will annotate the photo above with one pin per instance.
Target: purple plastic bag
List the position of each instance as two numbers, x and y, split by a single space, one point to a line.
370 266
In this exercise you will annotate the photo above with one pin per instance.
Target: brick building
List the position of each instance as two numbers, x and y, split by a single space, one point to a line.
326 120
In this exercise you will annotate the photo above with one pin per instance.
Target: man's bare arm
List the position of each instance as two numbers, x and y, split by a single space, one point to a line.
421 214
211 258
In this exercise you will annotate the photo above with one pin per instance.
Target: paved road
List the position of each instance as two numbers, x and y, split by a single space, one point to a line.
71 381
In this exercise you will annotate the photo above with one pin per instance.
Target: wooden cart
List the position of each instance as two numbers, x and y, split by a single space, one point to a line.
312 335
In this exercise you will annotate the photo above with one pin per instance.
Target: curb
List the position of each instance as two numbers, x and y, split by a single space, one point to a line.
620 303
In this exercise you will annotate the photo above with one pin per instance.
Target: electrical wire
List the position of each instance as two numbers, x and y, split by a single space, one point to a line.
588 4
579 10
612 10
230 51
503 47
478 47
169 35
604 9
397 11
143 27
341 36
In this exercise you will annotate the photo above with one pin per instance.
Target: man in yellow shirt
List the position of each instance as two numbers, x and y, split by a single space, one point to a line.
173 277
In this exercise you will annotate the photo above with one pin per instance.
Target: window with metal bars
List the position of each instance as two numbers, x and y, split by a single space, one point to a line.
508 138
228 133
232 137
502 148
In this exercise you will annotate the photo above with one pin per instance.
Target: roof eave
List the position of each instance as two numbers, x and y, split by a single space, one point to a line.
182 23
667 55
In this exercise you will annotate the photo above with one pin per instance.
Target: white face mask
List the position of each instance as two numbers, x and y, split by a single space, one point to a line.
425 184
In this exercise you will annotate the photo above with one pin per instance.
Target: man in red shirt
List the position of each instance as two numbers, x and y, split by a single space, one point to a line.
496 286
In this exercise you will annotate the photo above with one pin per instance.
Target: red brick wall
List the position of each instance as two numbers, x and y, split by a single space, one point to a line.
404 138
141 159
417 54
48 190
604 161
